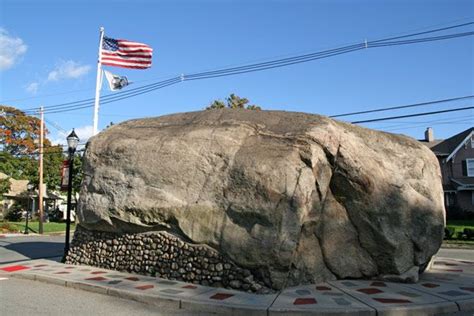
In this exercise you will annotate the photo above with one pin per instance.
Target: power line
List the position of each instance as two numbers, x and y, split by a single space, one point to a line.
413 115
166 76
76 105
425 32
403 106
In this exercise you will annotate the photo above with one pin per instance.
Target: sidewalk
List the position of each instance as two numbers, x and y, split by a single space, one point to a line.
448 287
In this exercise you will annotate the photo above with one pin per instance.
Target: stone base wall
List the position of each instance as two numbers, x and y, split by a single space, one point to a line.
163 255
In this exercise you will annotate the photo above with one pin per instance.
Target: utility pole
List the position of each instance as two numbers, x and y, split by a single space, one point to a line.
40 186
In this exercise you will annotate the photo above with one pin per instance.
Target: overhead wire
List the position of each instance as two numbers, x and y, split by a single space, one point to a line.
403 106
413 115
81 104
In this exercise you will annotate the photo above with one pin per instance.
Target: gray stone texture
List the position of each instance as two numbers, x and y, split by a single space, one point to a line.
295 198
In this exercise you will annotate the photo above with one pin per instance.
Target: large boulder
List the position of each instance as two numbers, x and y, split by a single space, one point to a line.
298 198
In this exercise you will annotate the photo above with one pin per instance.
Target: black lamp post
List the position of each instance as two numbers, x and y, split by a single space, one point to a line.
29 187
72 141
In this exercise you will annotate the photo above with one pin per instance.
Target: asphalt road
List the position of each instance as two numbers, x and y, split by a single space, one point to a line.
14 249
25 297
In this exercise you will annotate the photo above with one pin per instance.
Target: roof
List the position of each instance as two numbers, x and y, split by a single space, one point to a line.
432 144
16 186
463 181
450 145
19 189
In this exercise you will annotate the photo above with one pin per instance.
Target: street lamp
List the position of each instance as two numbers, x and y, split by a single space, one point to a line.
29 187
72 141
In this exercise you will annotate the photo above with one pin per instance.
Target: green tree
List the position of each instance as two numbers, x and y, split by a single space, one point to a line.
236 102
216 104
78 174
4 186
233 102
52 162
21 167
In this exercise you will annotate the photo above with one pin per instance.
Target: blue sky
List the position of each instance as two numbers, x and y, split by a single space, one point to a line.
50 50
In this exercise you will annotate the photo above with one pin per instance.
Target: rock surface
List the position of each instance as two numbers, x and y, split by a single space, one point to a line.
295 198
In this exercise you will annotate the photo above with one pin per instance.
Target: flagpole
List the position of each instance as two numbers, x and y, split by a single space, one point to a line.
98 84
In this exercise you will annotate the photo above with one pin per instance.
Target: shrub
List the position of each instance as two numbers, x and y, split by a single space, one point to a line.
469 232
449 232
14 214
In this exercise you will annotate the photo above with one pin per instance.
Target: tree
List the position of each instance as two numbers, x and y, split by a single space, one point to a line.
78 174
4 186
19 140
236 102
52 161
18 131
21 167
233 102
216 104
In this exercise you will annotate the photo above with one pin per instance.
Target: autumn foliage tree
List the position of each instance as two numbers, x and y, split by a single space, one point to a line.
18 131
19 142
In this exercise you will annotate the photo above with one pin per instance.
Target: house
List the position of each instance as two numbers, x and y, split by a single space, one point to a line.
456 158
17 189
19 193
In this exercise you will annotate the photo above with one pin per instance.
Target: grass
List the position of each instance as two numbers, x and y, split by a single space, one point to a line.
19 227
458 226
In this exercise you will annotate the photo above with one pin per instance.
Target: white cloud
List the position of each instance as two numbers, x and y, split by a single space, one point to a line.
68 70
11 49
32 87
83 132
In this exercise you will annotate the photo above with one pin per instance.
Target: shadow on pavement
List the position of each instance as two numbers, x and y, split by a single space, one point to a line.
36 249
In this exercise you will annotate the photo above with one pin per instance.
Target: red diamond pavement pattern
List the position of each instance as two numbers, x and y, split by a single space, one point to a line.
370 291
221 296
99 278
430 285
391 300
14 268
145 287
304 301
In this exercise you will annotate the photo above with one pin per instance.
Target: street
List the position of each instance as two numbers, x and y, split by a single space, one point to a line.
30 297
20 248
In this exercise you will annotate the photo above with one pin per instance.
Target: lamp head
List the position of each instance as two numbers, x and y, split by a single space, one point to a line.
72 141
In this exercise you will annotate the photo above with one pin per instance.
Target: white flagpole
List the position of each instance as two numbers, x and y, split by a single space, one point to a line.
98 84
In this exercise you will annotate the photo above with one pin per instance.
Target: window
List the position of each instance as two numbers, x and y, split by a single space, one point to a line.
470 167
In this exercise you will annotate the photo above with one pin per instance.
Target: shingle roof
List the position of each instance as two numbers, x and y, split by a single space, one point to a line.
16 186
447 146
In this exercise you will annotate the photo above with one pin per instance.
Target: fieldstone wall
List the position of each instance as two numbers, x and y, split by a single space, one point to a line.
163 255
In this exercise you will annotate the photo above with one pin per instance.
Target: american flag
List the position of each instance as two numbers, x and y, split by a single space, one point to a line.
125 54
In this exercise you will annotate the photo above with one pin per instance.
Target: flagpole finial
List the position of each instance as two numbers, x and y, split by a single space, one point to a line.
101 28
